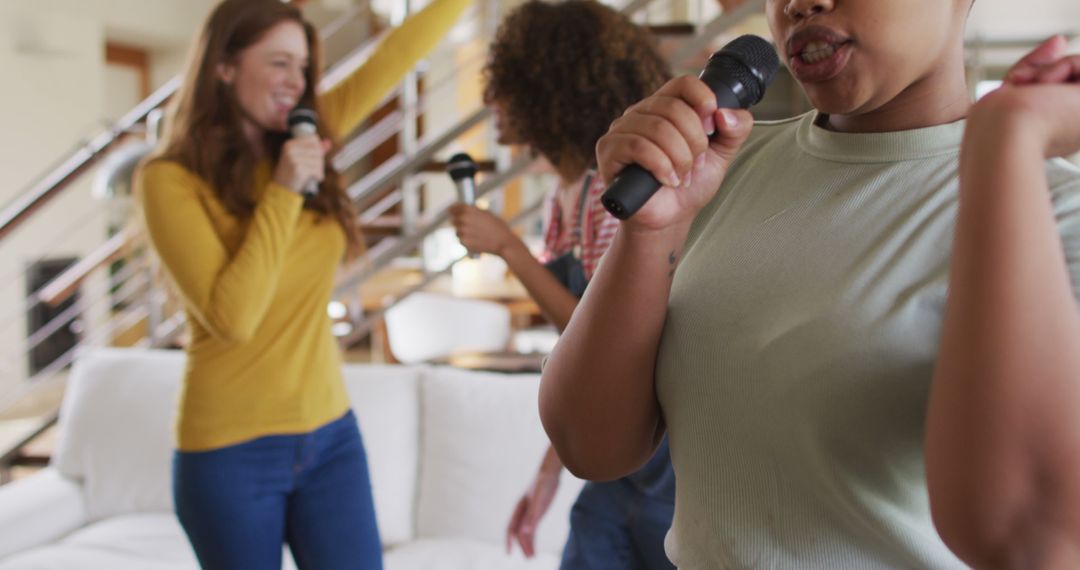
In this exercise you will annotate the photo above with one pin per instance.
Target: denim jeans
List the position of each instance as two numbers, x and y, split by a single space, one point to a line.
239 504
615 526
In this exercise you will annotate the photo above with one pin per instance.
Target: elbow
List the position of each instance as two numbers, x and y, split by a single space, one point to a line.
233 331
967 536
988 534
582 468
232 335
584 449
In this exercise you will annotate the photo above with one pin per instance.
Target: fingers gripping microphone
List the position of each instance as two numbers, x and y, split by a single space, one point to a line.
462 169
302 123
738 74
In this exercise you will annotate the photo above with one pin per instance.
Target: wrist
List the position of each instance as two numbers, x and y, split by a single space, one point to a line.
647 239
991 145
289 185
513 249
1004 123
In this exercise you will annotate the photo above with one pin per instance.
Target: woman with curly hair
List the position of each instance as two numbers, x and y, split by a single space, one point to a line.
557 76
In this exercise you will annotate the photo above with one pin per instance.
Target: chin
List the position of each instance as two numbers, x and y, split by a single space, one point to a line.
276 126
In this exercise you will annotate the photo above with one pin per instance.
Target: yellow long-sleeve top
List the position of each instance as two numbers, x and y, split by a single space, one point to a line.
262 359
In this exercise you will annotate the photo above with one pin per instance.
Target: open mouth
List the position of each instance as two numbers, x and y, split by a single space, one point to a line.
818 54
283 103
818 51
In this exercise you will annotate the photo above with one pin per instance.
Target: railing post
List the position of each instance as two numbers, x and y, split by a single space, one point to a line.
407 141
155 304
410 189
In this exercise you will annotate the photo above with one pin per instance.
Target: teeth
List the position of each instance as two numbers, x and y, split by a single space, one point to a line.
817 51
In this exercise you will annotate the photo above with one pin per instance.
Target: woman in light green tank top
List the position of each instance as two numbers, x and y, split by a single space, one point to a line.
858 328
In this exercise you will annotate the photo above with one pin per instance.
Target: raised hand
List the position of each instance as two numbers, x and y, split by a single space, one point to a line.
668 135
1039 100
302 159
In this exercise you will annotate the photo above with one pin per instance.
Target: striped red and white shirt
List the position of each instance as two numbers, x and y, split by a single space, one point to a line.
597 231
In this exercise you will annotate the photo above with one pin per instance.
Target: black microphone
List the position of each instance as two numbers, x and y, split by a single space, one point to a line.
302 123
462 169
738 74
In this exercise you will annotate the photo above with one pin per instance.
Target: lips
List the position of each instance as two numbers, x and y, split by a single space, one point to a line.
284 103
817 54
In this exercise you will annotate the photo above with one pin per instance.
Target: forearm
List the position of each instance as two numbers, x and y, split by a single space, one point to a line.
553 298
1003 426
348 104
228 292
242 291
597 398
551 464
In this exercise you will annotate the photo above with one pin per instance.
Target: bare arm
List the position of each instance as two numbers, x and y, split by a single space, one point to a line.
597 396
555 301
1003 426
484 232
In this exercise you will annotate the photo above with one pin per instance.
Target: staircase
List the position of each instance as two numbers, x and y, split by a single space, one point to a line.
393 168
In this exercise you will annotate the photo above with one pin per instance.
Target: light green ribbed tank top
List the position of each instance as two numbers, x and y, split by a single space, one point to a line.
796 359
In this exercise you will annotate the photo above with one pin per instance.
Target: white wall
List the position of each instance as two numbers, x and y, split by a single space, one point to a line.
56 65
1009 18
56 95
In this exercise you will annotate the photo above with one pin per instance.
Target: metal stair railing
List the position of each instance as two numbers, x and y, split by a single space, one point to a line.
396 170
364 326
401 166
68 169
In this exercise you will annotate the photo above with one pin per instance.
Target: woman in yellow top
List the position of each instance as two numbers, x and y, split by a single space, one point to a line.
268 451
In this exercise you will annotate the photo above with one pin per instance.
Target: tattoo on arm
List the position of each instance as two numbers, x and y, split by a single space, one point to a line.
672 262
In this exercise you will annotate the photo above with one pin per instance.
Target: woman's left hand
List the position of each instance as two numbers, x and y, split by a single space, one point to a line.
1039 98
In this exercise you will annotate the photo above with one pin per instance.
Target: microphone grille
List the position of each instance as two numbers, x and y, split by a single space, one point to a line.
751 60
461 165
302 115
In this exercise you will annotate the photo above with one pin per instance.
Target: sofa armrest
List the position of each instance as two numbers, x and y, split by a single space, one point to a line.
39 509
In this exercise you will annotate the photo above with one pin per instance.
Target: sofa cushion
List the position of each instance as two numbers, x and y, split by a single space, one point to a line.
457 554
116 429
481 445
385 399
136 542
39 509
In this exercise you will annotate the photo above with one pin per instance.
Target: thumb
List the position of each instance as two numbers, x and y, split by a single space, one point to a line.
732 128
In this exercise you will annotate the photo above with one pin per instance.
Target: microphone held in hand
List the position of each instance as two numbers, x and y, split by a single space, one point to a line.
738 74
303 123
462 169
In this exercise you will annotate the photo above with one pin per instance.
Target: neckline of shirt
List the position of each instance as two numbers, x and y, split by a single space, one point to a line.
898 146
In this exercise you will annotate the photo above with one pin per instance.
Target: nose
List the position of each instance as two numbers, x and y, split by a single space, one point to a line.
799 10
296 79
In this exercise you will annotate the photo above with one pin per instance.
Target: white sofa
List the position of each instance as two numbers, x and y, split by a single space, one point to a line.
450 452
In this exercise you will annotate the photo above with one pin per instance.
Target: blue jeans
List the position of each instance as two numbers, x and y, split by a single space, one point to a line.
615 526
239 504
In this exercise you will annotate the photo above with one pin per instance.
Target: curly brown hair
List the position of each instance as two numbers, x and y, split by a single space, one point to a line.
565 71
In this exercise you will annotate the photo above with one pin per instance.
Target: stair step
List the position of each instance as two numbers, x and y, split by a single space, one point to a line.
387 222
